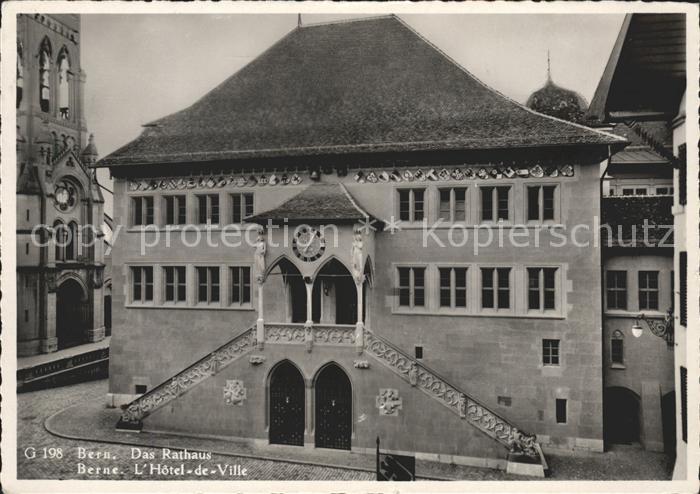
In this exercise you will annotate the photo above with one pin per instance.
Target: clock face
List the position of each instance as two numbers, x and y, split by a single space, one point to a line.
308 244
65 196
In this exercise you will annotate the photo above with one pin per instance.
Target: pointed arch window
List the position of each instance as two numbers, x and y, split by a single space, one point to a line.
72 242
20 72
60 236
64 84
45 76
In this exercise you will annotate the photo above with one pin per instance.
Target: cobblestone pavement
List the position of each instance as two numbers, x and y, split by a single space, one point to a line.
35 407
621 463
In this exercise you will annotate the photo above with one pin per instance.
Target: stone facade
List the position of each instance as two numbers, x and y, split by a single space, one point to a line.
59 289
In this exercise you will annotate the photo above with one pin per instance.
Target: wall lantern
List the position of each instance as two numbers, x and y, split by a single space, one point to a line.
661 328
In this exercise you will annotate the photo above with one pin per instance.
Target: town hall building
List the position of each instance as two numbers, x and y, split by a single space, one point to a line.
306 259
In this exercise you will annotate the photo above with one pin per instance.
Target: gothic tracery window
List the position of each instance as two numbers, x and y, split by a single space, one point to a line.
63 84
45 76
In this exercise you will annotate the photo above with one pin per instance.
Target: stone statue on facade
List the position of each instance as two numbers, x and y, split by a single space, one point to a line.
521 443
357 256
462 405
413 374
260 251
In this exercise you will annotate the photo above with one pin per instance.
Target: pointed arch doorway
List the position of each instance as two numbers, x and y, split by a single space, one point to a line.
333 400
286 405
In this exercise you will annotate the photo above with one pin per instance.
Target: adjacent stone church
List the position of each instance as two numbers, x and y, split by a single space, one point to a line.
60 255
364 171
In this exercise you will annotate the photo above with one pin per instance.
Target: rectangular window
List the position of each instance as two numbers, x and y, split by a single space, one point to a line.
175 210
550 352
142 284
240 285
411 204
541 291
662 191
561 411
142 210
640 192
242 205
412 287
682 176
627 192
683 287
208 284
495 288
175 284
453 204
684 403
419 352
495 203
616 289
540 202
453 287
208 209
617 349
648 290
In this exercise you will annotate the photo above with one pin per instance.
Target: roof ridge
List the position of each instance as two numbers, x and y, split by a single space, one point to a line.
348 21
352 200
489 88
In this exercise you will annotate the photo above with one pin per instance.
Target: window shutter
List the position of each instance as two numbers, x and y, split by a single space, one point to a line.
683 274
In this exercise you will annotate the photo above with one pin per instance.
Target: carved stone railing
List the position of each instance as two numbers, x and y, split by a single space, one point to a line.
185 380
437 387
316 334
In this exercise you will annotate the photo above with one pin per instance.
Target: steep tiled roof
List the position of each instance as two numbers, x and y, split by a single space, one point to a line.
634 155
362 86
316 203
624 213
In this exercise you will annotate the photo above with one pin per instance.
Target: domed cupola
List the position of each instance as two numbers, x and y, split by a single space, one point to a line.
557 101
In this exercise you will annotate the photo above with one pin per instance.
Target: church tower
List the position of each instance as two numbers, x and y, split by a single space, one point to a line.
60 259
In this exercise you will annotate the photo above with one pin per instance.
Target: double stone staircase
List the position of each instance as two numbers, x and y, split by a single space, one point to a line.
523 447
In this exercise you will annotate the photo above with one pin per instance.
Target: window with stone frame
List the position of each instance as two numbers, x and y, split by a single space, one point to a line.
45 76
495 288
495 203
175 283
617 348
616 290
241 206
142 211
541 203
142 284
208 209
550 352
648 290
541 289
208 284
411 286
240 285
561 412
411 204
452 204
175 210
453 287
